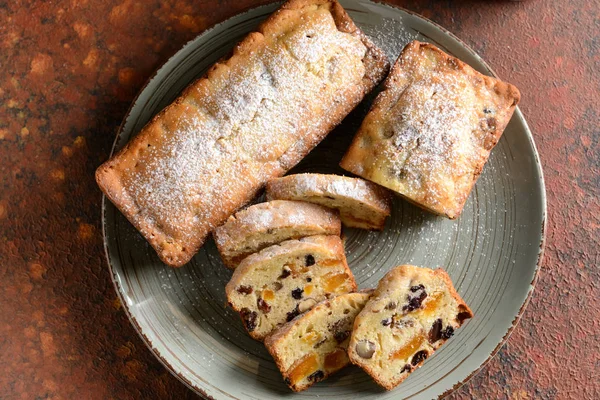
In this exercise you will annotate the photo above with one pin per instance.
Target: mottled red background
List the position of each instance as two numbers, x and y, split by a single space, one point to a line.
68 72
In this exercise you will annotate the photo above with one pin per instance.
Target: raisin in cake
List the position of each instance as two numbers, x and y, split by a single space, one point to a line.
271 287
251 118
312 346
412 313
430 131
264 224
362 204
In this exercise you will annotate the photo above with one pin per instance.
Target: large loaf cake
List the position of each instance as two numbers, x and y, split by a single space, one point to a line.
250 118
430 131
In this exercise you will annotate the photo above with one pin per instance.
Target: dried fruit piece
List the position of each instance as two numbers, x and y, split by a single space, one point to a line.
285 272
386 322
244 289
447 333
419 357
249 318
408 349
309 260
316 376
432 304
435 333
334 282
365 348
308 289
304 367
415 301
406 368
417 288
277 286
311 337
268 295
292 314
336 360
391 305
263 305
297 293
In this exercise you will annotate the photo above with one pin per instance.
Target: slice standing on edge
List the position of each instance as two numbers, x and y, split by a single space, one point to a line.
362 204
265 224
313 345
411 314
273 286
430 131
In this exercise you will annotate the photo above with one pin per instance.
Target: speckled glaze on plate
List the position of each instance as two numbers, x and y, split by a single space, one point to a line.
492 252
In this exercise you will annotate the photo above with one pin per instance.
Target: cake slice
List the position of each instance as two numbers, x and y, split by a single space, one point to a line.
251 118
265 224
313 346
430 131
412 313
271 287
361 204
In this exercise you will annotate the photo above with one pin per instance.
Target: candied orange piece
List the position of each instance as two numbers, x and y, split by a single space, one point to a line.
267 294
408 349
336 360
308 289
311 337
432 304
303 367
333 282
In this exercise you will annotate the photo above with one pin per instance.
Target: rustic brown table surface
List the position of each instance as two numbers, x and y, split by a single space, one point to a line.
68 72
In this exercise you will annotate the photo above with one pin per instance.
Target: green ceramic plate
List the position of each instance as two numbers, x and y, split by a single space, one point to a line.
492 252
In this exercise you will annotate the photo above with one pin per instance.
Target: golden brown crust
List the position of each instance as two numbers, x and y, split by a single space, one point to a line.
430 131
175 217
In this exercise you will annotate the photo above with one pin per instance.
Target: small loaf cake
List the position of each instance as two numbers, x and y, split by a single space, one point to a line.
430 131
412 313
313 346
271 287
251 118
362 204
265 224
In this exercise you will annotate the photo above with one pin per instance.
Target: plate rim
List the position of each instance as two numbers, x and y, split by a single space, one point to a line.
518 114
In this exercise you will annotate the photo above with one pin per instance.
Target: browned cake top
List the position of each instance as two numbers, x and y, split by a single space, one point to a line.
431 130
250 118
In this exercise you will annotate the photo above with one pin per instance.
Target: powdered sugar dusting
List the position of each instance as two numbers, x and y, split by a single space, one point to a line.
233 133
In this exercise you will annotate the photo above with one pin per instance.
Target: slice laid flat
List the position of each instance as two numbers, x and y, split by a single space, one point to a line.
362 204
265 224
412 313
430 131
313 345
273 286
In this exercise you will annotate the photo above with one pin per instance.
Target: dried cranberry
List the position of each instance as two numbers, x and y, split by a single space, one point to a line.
406 368
309 260
316 376
297 293
285 273
249 318
263 305
419 357
244 289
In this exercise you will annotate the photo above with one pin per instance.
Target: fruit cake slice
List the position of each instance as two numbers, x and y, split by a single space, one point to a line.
430 131
271 287
266 224
412 313
313 345
362 204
